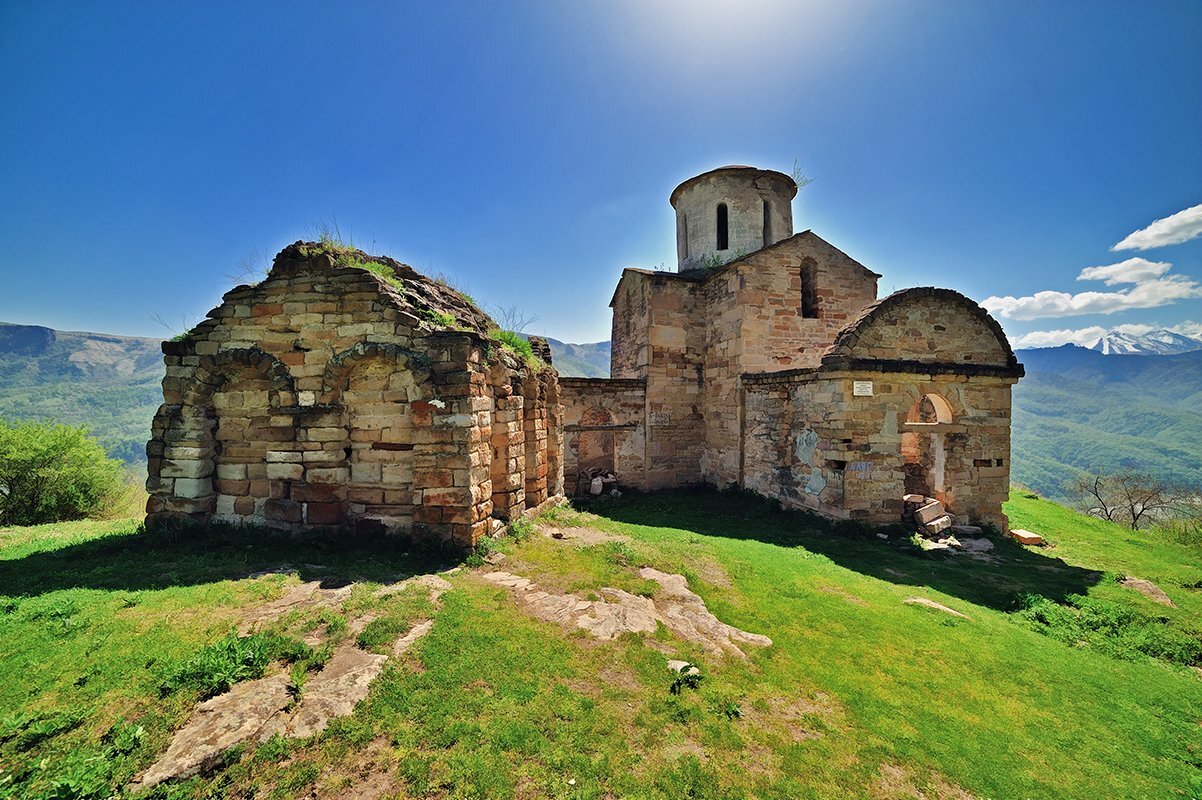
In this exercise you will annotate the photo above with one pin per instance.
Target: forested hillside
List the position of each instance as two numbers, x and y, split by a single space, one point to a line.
1078 410
580 360
110 383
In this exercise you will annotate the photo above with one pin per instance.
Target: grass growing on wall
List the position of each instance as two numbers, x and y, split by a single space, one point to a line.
518 345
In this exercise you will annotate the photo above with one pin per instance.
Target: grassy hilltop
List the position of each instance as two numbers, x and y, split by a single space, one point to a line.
1061 682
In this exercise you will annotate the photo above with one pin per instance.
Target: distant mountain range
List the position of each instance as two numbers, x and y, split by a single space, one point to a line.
110 383
580 360
1153 343
1080 411
1077 411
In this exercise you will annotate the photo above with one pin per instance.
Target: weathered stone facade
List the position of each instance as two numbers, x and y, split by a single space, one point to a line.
746 373
329 396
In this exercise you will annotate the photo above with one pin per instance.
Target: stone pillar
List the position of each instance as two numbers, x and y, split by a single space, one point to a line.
535 425
555 453
508 450
452 484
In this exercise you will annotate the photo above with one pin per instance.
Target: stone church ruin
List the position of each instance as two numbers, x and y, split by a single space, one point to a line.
346 390
766 362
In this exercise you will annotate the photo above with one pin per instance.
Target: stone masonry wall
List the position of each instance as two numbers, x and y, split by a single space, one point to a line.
605 414
754 323
812 443
675 383
812 440
629 347
327 397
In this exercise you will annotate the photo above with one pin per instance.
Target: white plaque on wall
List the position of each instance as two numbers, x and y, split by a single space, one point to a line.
861 388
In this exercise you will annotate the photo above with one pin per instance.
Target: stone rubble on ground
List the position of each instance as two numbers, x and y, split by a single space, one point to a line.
618 611
1149 590
938 530
1026 537
922 601
682 667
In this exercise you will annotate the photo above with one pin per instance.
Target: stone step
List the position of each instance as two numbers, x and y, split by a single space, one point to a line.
931 511
1026 537
939 524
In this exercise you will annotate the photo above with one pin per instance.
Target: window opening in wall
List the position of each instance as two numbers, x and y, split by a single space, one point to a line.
723 235
767 223
809 293
684 234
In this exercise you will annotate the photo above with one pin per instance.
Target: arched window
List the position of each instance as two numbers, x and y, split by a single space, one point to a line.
767 223
809 292
723 234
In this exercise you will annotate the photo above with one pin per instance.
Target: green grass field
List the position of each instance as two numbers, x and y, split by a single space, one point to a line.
1061 684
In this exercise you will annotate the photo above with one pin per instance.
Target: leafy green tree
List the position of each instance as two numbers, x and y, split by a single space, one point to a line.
51 472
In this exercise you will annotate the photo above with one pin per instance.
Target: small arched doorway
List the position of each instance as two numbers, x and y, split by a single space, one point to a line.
595 448
923 451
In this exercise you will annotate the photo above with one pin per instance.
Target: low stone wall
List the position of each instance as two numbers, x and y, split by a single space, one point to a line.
811 441
604 419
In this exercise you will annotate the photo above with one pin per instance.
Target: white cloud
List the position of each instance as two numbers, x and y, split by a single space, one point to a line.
1175 229
1135 328
1133 270
1148 294
1087 337
1193 329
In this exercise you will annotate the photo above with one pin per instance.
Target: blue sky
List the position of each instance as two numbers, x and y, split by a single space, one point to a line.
528 149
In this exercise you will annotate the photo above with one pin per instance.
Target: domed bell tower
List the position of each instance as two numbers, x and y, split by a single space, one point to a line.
726 213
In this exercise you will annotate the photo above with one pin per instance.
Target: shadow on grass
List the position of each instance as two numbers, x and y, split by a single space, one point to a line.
1012 569
198 555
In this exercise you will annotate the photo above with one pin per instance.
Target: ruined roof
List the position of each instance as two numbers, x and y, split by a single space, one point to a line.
431 300
841 354
738 168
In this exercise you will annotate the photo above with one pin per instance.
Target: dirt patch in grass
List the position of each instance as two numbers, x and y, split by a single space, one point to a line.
798 719
1149 590
846 595
369 773
581 537
897 782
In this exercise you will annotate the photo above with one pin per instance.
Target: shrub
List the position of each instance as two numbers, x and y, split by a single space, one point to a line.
51 473
1120 630
521 529
233 659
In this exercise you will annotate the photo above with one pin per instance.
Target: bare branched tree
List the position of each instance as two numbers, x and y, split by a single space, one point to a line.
251 268
512 318
1131 498
185 324
799 176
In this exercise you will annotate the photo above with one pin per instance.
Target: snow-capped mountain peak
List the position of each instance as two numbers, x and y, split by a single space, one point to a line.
1159 343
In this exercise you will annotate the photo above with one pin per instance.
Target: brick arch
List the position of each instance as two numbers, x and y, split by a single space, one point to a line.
339 368
219 367
215 463
963 337
374 392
